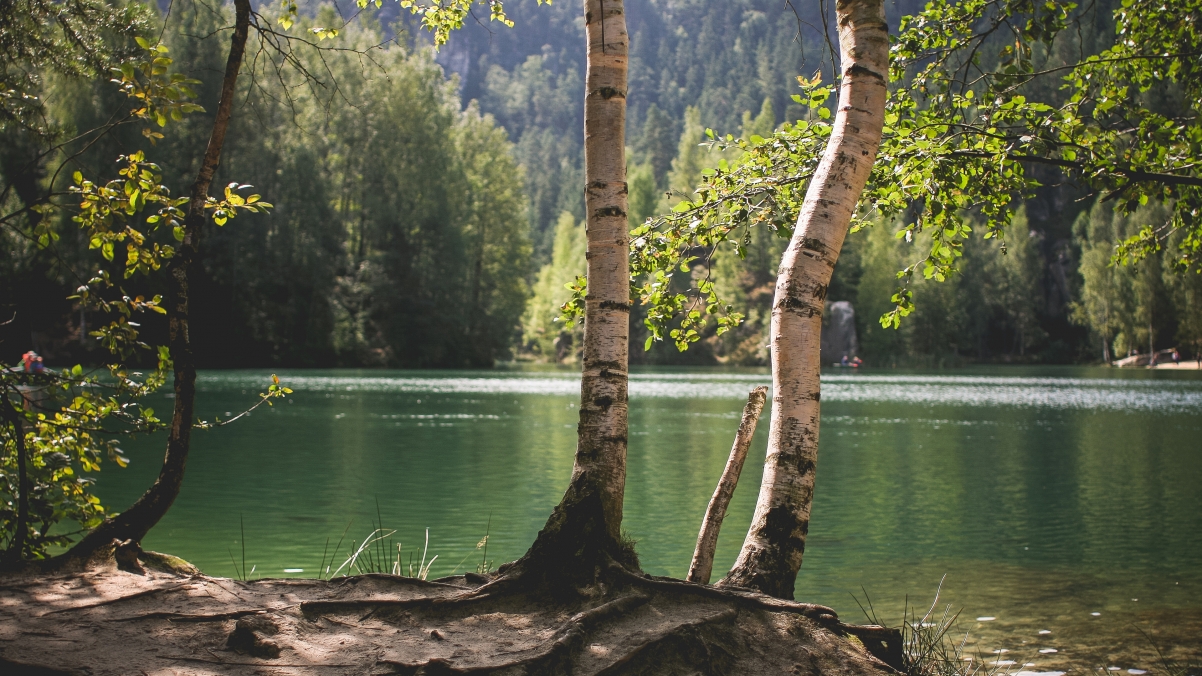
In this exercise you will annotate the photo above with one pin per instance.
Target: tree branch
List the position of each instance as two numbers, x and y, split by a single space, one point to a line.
1137 175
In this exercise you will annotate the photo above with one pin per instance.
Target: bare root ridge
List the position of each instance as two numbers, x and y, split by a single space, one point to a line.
620 622
685 631
191 617
465 596
119 599
822 614
555 657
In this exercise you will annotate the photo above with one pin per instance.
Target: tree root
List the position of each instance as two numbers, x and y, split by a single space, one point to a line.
610 621
491 589
687 630
410 581
313 608
11 668
555 658
274 665
187 617
119 599
884 643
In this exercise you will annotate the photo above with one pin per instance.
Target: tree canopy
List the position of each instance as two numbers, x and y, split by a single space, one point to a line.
970 112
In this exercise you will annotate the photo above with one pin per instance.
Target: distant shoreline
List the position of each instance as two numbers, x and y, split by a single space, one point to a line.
1183 365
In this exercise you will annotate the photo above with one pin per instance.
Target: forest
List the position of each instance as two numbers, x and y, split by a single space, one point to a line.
208 206
428 215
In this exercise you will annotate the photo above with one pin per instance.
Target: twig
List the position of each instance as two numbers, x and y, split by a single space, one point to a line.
707 538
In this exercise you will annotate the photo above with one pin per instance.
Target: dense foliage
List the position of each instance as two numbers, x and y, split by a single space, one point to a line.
410 232
59 425
399 237
969 111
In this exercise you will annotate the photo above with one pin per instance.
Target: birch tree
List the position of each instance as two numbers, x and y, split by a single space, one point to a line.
587 523
977 98
772 552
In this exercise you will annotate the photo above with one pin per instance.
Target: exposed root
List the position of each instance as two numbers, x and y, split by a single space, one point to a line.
119 599
26 669
185 617
571 636
313 608
186 658
686 632
409 581
753 598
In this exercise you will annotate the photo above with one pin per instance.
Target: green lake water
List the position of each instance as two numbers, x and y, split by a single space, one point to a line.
1063 500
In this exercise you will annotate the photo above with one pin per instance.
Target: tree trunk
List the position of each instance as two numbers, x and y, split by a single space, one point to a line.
16 547
135 522
772 551
1151 343
587 522
707 539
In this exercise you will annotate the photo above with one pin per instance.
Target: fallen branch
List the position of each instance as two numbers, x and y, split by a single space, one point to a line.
707 538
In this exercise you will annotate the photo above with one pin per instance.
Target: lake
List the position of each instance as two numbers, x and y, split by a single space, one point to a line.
1059 500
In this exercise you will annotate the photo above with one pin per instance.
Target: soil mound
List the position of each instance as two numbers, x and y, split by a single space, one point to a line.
105 620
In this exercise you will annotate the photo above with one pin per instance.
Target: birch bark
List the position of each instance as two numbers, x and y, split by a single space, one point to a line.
772 551
588 520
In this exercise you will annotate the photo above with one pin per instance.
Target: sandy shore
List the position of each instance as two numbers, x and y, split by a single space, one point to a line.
1183 365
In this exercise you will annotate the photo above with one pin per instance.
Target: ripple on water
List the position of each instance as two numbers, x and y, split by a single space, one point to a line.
977 391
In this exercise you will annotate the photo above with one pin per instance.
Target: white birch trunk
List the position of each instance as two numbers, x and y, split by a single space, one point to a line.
772 551
589 518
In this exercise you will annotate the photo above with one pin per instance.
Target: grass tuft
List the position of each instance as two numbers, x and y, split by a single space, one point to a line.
928 646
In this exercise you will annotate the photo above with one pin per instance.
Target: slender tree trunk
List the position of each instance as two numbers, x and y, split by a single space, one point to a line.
1151 343
772 551
16 547
473 320
587 522
135 522
707 538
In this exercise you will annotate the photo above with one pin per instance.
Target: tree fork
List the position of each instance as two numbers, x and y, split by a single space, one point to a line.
772 551
135 522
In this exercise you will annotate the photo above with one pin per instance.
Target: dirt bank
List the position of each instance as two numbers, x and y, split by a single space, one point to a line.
103 620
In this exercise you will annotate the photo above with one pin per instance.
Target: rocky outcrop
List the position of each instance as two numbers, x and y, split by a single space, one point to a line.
839 337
